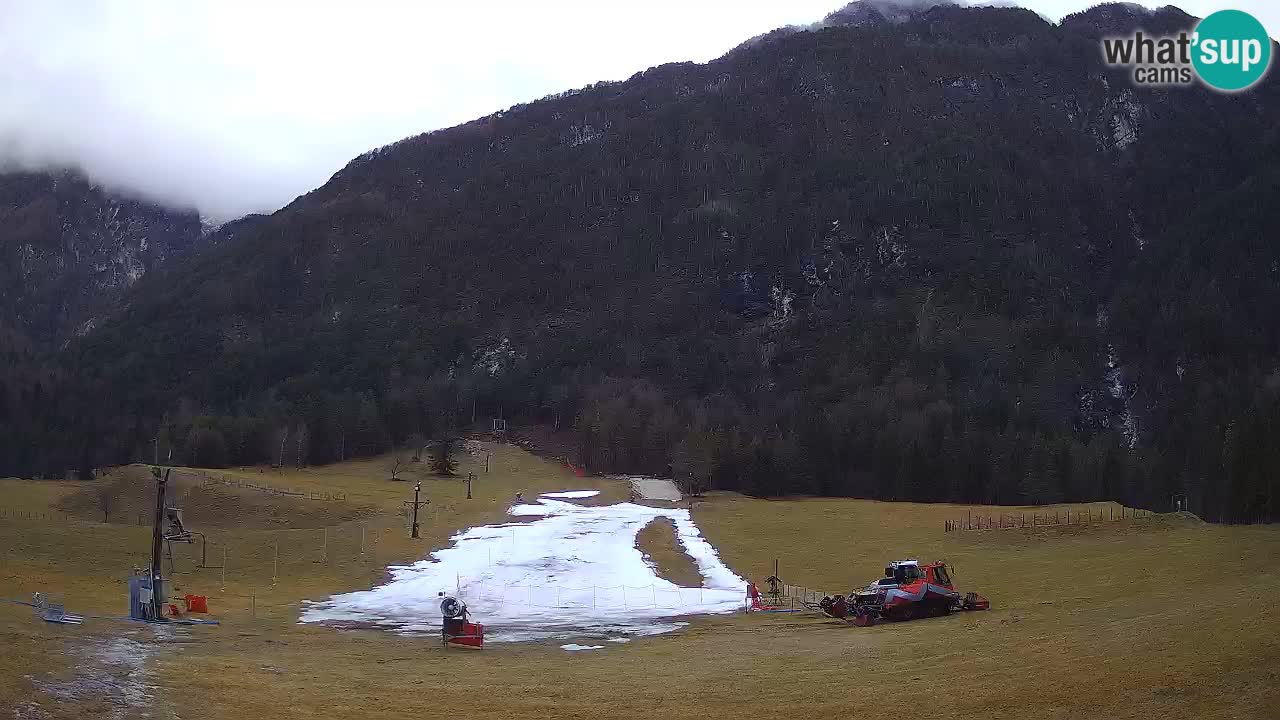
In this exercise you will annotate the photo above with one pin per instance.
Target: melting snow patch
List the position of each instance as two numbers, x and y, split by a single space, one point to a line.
618 640
526 510
571 494
574 647
574 572
111 671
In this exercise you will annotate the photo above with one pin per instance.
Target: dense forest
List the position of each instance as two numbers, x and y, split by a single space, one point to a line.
945 257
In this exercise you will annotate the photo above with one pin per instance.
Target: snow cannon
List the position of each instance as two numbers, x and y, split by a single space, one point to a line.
456 631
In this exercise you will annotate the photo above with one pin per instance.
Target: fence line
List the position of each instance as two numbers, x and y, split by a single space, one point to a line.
211 480
801 595
1008 521
34 515
555 596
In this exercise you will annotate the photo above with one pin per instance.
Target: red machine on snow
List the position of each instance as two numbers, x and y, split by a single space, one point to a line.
907 591
456 630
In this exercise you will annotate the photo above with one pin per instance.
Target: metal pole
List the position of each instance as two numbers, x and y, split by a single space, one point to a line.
275 564
157 542
469 476
417 488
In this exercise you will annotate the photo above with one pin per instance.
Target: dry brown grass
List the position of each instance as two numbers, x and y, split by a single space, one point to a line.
1127 619
659 543
127 496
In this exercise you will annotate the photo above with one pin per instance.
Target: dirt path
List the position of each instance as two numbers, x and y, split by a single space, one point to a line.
655 489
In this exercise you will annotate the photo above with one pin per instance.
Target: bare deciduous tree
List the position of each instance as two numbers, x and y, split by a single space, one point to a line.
106 501
397 464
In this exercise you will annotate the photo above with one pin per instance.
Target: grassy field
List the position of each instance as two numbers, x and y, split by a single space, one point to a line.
1165 616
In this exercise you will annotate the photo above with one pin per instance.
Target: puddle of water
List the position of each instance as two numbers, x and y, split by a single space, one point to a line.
111 669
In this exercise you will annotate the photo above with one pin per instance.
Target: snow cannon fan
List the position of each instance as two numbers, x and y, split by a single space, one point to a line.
453 609
456 631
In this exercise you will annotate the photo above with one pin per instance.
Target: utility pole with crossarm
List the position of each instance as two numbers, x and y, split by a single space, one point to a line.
417 488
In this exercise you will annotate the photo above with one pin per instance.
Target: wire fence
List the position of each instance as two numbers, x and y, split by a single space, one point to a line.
59 516
621 597
1009 521
256 572
115 516
790 597
210 480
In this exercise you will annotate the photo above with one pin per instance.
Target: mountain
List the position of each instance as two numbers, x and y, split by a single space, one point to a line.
946 257
69 249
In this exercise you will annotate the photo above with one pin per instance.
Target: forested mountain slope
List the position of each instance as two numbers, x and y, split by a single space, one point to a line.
943 256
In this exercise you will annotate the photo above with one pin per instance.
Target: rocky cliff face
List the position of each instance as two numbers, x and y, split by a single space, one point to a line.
69 249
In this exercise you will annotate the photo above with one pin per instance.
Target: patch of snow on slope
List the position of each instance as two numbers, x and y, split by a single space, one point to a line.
575 572
571 494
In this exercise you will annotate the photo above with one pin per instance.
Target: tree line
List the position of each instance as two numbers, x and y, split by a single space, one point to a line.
943 277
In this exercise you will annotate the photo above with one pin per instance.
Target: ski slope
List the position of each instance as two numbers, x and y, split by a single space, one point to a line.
574 572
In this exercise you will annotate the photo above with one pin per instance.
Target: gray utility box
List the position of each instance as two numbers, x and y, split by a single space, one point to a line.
140 593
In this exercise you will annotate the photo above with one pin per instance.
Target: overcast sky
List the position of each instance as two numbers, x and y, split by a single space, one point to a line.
236 107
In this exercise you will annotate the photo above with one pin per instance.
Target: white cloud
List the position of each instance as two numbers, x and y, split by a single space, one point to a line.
237 107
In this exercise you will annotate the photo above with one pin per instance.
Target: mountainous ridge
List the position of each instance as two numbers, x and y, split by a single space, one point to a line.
932 278
70 249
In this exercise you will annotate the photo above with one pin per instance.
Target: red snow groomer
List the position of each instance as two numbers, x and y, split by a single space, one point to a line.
907 591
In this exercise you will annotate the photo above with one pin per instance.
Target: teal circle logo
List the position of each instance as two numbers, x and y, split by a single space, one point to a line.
1231 50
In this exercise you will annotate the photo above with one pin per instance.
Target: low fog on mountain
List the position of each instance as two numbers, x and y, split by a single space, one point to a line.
233 108
577 359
